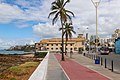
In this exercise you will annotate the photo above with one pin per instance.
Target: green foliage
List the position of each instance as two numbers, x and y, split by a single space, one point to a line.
23 48
59 11
13 79
40 54
68 30
17 70
22 69
29 64
2 77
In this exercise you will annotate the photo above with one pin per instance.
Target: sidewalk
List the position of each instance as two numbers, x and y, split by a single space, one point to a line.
54 71
89 63
76 71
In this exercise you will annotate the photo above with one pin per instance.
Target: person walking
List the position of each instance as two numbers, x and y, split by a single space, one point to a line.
71 53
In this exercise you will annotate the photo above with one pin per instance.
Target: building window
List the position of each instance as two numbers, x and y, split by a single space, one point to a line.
71 44
70 48
47 48
56 48
75 49
56 44
66 48
51 44
38 44
47 44
51 48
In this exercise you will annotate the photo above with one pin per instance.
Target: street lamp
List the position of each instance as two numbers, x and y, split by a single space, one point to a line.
96 4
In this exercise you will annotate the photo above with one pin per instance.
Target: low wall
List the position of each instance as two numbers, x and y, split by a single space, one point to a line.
41 70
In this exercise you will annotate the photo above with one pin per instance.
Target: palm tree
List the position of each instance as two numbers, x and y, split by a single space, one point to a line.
59 11
68 30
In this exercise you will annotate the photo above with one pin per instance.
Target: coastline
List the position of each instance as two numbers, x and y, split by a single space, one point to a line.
16 61
15 52
25 55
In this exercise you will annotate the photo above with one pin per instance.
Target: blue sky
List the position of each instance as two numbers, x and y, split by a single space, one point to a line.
25 21
15 24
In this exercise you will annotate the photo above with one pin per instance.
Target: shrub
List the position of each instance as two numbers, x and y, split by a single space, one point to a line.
40 54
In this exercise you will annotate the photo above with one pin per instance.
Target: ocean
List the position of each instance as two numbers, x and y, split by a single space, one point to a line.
11 52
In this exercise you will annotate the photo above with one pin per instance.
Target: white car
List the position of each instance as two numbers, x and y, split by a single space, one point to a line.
104 51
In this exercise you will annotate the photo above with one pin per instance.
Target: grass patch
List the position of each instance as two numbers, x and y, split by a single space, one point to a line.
22 69
29 64
17 70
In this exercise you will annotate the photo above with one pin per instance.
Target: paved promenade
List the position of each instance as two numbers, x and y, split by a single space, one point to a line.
89 63
75 71
77 68
55 71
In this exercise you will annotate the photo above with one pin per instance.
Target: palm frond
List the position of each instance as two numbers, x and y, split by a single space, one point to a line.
55 18
62 2
54 2
54 21
73 31
60 29
69 18
51 13
66 3
70 12
54 7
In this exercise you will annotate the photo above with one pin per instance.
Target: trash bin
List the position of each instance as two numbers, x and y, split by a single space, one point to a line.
97 61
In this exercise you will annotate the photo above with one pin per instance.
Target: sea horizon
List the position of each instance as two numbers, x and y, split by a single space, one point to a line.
13 52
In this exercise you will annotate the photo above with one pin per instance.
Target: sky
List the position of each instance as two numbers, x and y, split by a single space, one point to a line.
26 21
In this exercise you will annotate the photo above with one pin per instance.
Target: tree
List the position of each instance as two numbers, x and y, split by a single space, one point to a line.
59 11
68 30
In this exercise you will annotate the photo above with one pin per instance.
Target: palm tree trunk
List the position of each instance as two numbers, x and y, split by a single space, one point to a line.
66 45
62 41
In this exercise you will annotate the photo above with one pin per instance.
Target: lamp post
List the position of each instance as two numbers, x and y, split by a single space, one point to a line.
96 4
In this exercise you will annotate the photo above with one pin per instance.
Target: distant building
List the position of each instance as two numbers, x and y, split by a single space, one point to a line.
80 36
54 44
106 41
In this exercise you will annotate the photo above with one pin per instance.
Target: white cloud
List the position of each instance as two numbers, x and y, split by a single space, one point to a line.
7 43
8 13
85 15
108 12
84 10
46 31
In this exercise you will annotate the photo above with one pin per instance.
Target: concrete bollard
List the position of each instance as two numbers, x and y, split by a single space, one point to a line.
112 65
105 63
101 61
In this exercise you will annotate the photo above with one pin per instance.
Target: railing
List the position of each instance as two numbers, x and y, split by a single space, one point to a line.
41 70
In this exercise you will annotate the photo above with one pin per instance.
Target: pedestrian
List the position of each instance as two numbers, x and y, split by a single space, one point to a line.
71 53
66 53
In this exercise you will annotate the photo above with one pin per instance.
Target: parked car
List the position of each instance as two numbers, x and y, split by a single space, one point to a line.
104 51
